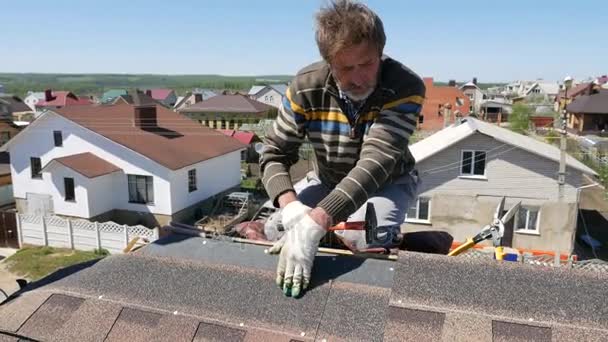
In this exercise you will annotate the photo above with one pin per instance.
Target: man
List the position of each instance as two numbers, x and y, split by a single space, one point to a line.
358 109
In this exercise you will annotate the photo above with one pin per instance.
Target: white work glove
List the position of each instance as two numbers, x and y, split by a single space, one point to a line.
298 248
292 213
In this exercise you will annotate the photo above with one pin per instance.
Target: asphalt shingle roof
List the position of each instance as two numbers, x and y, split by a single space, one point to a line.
190 288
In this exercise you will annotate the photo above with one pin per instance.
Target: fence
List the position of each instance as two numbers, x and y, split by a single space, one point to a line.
79 234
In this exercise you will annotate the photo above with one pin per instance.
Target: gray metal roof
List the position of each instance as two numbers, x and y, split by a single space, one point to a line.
190 288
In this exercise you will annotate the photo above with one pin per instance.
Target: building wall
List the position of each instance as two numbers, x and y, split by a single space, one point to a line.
212 176
38 142
31 101
106 191
463 216
6 128
462 206
53 183
270 97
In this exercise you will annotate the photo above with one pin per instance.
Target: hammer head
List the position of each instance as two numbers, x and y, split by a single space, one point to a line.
371 223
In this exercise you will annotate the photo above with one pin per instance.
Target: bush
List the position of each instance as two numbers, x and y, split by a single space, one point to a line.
519 120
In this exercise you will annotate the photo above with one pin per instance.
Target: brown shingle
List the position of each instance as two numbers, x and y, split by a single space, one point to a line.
88 164
177 142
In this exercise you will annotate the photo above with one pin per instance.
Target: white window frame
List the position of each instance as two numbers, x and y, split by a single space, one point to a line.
526 230
472 174
417 220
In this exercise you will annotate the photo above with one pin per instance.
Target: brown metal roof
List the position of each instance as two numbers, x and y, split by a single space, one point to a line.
590 104
228 104
88 164
177 141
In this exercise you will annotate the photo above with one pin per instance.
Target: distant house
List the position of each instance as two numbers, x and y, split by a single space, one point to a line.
228 111
13 108
496 110
165 96
249 139
111 94
271 94
475 95
437 98
60 99
589 113
547 90
467 167
32 99
132 164
1 89
193 97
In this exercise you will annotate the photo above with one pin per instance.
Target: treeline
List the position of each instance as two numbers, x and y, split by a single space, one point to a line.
97 84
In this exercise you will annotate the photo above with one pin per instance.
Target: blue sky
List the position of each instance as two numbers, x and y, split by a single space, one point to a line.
494 41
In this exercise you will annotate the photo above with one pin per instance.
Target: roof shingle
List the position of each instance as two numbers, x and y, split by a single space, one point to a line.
87 164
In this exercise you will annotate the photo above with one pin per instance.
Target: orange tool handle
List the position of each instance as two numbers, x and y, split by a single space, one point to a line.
348 226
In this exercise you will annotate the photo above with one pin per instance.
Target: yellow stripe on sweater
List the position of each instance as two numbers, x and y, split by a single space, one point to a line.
413 99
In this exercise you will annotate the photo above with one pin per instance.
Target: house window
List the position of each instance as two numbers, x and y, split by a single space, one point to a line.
141 189
68 185
271 98
192 180
4 137
473 163
36 167
58 138
420 210
266 98
527 220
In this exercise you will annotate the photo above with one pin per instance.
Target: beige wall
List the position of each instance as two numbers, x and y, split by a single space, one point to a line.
464 216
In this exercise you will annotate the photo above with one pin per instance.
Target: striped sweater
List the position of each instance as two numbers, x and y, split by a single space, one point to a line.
354 156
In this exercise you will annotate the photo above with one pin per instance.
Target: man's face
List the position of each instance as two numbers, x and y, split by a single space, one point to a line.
355 69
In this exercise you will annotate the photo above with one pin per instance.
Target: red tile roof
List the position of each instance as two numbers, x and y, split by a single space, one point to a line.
228 104
160 94
87 164
440 95
242 136
63 99
177 142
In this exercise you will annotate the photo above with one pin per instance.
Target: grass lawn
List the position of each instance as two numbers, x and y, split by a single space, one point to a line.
37 262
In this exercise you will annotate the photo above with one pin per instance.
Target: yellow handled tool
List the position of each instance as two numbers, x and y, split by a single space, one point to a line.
494 231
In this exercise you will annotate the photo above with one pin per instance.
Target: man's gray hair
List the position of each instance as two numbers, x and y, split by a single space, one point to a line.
344 23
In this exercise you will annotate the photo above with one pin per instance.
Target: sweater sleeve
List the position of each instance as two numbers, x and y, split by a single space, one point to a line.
281 146
382 148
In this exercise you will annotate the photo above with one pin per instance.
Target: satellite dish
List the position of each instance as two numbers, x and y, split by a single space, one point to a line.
259 147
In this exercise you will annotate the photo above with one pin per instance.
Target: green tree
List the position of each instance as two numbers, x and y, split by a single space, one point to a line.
519 120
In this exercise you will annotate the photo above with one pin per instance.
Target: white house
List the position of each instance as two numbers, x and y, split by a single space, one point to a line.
271 94
127 163
33 98
466 168
475 95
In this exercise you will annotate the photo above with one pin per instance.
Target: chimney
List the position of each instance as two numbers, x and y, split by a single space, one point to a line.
144 111
475 80
452 83
198 98
48 95
149 92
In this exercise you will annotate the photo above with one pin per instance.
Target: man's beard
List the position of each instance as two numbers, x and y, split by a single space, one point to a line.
359 97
